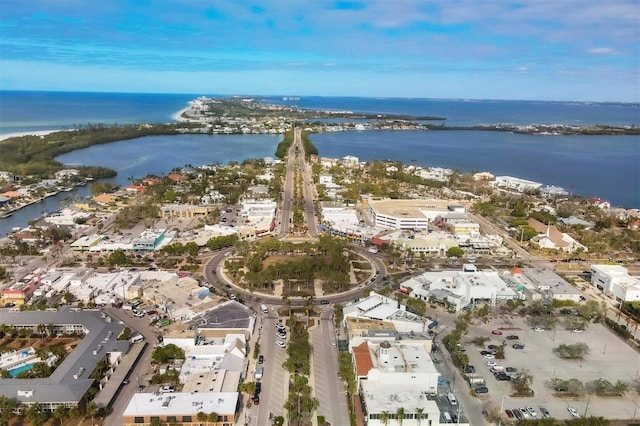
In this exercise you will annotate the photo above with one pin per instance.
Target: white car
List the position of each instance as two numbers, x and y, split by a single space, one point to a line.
532 411
538 330
489 356
282 344
573 411
491 363
577 330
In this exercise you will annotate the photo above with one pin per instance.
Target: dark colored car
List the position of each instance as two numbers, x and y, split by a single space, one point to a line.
482 389
486 353
509 413
502 377
256 399
258 388
494 347
512 337
518 414
469 369
511 370
261 359
518 346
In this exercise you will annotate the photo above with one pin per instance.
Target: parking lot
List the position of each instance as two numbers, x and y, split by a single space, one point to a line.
609 358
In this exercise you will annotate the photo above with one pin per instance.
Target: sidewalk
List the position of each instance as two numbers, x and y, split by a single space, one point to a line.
312 378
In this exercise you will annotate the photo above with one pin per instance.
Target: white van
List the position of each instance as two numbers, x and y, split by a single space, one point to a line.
447 417
137 339
264 309
452 398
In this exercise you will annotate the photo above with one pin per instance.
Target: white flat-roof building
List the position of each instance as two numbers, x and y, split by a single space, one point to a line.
398 376
406 214
551 285
460 288
85 243
378 307
615 281
520 185
181 408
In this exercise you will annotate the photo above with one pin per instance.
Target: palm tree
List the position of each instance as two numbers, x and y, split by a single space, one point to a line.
400 415
202 417
60 413
385 417
213 417
419 415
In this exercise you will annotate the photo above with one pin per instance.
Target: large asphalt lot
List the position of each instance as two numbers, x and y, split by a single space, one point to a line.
609 358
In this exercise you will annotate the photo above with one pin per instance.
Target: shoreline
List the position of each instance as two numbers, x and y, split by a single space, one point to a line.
178 115
5 136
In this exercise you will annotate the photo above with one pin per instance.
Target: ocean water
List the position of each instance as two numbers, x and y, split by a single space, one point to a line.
465 112
22 111
604 166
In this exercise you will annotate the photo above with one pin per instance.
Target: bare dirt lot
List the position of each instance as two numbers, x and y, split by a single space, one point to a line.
609 358
38 343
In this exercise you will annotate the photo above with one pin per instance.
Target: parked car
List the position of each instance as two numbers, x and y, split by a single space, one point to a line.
491 363
489 356
511 370
532 411
167 389
518 414
496 332
261 359
482 389
258 388
578 330
256 399
509 413
512 337
538 329
486 353
518 346
282 344
545 412
573 411
493 347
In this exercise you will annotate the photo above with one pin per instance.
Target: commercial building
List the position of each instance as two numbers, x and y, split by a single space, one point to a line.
69 383
615 281
149 240
184 211
398 381
85 243
458 289
541 283
385 312
406 214
181 408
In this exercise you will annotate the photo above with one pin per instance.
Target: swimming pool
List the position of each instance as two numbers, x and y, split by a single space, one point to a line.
15 371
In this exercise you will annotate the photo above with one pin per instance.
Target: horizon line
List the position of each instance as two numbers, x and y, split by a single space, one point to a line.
326 96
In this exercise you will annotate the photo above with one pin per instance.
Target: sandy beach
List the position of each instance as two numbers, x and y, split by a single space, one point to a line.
32 133
178 115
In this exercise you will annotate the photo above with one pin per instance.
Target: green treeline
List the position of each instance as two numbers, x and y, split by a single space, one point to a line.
285 144
309 147
34 155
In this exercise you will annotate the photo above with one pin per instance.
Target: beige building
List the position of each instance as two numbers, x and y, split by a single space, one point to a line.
184 211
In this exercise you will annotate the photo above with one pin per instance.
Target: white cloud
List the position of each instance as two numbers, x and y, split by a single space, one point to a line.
601 50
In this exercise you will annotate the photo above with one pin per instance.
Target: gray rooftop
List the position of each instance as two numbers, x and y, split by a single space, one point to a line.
61 386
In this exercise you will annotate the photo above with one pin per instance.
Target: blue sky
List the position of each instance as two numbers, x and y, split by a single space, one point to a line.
489 49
